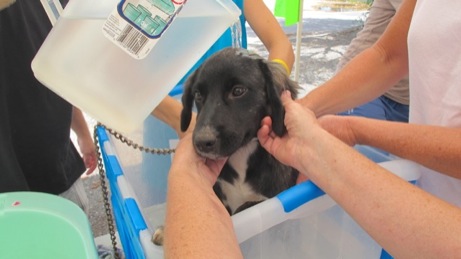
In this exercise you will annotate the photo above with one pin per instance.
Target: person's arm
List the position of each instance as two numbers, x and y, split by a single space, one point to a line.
407 221
6 3
84 140
169 111
197 223
435 147
268 30
370 73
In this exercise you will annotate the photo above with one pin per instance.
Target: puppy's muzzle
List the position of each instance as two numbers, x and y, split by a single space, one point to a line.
206 142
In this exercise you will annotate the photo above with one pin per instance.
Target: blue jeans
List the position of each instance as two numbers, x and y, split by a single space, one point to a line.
381 108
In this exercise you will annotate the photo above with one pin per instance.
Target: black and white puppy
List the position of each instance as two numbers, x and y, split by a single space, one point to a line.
233 91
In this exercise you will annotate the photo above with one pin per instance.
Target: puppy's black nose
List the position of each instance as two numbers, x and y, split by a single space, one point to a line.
205 143
206 140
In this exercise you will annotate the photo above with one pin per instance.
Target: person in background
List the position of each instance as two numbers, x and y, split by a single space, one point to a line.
394 104
269 31
36 151
434 94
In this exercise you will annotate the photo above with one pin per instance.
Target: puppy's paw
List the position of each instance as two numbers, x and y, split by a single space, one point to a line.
157 237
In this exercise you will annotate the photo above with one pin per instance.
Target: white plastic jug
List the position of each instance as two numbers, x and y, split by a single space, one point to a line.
80 64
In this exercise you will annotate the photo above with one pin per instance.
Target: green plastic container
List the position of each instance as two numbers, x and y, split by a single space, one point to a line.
39 225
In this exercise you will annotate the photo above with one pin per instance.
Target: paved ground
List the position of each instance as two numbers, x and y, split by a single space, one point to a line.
324 39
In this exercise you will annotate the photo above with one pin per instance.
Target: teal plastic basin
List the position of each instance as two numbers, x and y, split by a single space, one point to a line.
39 225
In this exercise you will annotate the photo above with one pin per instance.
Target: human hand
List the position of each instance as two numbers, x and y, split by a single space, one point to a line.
190 129
340 127
299 122
187 161
88 151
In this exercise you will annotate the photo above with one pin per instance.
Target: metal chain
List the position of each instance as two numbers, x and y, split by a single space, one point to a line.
102 175
130 143
105 195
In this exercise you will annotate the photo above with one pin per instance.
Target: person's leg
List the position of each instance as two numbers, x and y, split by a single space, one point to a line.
77 194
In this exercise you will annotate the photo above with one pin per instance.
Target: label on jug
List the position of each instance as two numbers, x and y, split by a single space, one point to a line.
137 25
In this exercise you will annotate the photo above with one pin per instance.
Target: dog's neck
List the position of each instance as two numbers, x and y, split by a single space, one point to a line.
239 159
250 175
238 191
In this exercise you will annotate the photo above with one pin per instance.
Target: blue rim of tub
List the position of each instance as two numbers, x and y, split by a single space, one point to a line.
177 90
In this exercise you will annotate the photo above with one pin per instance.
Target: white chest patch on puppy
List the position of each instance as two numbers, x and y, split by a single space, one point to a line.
239 192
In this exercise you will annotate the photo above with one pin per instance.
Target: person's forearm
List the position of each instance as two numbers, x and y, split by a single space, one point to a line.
6 3
269 31
79 125
196 220
169 111
352 86
282 52
406 221
438 148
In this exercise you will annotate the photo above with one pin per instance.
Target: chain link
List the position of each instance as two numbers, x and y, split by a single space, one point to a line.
102 176
130 143
105 195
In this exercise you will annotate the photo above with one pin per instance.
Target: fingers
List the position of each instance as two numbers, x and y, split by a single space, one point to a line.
215 165
265 130
286 97
90 168
190 129
267 121
185 141
187 163
90 161
263 134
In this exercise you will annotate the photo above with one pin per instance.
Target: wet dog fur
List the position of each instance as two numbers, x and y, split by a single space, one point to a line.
233 91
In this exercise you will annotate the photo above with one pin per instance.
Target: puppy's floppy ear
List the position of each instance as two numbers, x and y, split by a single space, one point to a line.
187 102
274 104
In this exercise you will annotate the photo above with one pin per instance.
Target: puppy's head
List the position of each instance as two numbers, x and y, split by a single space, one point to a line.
233 90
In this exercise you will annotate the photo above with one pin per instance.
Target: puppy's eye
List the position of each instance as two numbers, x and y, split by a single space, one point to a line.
238 91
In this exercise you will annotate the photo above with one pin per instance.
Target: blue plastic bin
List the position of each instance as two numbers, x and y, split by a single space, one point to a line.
301 222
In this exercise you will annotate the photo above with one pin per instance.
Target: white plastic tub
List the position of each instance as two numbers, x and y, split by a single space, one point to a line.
301 222
318 228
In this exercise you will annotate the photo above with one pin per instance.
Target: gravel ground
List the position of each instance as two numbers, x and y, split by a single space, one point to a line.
97 214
